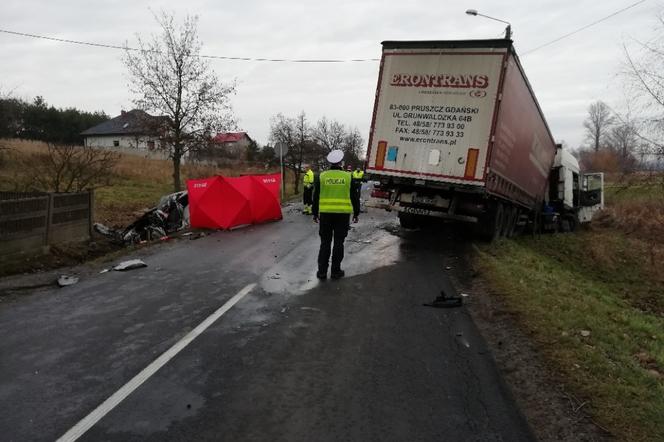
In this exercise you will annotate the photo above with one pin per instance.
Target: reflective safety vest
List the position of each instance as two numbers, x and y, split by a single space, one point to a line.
335 192
358 174
308 179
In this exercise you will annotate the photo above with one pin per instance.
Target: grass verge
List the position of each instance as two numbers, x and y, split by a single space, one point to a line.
594 303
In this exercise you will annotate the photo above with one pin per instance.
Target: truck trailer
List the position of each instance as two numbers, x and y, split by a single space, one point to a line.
457 133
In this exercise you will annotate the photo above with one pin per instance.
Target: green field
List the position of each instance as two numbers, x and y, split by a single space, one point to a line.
137 183
594 302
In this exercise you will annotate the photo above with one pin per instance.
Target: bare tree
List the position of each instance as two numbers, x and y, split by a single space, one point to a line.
353 146
68 168
623 140
332 135
599 122
171 79
329 134
302 147
644 75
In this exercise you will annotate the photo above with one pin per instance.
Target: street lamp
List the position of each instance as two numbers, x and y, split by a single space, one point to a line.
508 29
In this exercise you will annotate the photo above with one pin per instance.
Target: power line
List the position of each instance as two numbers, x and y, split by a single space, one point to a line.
217 57
290 60
583 27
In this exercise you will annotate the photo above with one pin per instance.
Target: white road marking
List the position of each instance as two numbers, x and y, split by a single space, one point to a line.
95 416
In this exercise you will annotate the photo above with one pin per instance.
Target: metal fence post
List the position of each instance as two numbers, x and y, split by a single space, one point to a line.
91 205
49 220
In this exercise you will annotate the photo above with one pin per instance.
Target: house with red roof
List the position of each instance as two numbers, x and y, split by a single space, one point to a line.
228 145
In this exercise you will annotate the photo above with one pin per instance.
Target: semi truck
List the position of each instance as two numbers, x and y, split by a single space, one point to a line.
457 133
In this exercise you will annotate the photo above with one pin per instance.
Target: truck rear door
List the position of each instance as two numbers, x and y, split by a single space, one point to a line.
434 112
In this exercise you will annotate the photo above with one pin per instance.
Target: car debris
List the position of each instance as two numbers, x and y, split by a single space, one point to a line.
444 301
130 265
66 280
170 215
362 241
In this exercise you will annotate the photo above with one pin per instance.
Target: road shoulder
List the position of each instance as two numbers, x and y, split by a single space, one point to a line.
553 413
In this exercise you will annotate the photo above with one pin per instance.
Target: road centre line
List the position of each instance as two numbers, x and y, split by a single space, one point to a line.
109 404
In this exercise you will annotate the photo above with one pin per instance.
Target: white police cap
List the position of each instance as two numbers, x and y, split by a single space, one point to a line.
335 156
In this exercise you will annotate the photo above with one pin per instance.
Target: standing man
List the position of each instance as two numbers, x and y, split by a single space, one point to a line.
307 193
335 199
358 174
358 177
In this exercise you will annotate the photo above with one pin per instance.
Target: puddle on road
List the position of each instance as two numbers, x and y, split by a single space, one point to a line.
367 248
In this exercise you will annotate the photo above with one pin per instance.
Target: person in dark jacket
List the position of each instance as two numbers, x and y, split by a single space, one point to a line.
335 200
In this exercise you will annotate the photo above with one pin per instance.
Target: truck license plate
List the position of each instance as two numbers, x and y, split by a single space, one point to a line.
424 200
416 210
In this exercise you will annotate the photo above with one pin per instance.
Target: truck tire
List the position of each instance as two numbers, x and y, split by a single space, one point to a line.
508 220
513 218
408 220
491 223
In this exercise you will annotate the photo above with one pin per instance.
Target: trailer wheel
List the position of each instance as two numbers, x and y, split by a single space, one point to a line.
513 219
408 220
491 224
508 220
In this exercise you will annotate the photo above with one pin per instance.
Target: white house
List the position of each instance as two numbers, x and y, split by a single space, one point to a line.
135 132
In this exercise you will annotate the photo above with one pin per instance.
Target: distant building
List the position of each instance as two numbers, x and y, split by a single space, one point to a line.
229 145
135 132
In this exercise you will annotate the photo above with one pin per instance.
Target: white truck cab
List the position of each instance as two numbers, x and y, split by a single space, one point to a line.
573 197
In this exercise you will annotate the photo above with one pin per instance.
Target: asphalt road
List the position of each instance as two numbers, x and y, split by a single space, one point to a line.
357 359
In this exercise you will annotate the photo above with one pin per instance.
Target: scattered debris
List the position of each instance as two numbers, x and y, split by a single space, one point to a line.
199 235
585 333
448 268
104 271
187 233
464 342
464 295
311 309
170 215
65 280
275 276
444 301
130 265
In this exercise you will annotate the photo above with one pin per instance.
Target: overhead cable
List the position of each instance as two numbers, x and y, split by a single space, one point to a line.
583 27
217 57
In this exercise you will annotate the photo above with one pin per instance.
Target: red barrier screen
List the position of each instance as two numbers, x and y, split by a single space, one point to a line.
226 202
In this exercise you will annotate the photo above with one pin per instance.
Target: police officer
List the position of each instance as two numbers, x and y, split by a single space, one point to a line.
307 193
358 177
335 199
358 174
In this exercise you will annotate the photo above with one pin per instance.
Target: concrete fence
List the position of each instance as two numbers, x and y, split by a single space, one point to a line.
31 222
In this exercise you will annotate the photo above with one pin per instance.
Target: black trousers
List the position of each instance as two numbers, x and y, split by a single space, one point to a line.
332 226
307 195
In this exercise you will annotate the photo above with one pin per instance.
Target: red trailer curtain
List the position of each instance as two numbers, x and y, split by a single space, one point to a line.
226 202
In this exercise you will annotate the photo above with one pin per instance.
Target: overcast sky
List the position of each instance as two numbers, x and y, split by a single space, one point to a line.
566 76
